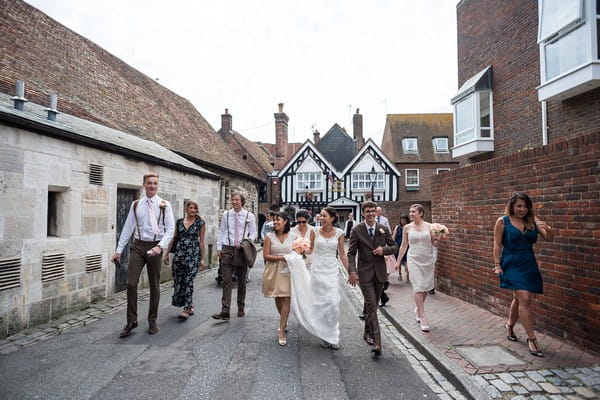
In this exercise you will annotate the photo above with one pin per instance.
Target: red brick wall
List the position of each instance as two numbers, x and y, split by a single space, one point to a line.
563 180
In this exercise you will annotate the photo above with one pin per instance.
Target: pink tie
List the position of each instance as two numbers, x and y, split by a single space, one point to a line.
236 229
152 217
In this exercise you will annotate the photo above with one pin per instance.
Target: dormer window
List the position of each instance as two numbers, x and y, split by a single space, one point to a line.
440 145
409 145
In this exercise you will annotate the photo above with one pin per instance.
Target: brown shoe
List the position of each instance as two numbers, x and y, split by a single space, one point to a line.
376 349
241 313
128 328
221 316
153 328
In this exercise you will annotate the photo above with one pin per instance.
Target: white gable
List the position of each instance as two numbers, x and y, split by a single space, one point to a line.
366 164
309 165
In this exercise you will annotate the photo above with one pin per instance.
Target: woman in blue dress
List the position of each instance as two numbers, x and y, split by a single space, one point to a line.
515 263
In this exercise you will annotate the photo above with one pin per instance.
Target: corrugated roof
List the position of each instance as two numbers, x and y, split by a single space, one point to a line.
97 86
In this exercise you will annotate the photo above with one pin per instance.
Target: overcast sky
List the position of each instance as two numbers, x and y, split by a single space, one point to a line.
322 58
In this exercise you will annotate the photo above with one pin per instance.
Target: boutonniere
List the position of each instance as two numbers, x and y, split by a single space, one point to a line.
381 231
163 204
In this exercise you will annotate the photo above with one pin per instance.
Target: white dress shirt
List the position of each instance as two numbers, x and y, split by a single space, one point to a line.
383 221
165 230
229 219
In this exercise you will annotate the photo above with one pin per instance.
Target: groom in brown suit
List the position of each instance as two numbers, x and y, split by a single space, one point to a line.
371 241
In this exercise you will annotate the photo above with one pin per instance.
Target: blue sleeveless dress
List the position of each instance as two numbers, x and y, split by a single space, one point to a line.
520 269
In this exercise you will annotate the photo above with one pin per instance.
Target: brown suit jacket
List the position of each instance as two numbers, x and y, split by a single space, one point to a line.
369 265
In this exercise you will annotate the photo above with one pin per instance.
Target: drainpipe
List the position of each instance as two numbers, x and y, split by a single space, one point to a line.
19 99
544 123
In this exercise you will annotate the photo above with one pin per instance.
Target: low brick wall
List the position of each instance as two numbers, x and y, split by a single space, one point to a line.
563 180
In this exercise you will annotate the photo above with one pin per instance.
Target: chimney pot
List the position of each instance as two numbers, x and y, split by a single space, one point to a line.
19 99
52 111
280 107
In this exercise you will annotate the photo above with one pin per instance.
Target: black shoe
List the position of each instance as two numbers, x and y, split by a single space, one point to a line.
376 350
432 291
363 316
128 328
384 299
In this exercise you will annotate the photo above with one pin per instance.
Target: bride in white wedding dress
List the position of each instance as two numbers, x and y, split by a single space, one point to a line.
316 295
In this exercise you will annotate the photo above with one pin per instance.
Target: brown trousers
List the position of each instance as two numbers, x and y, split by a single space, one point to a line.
227 272
137 259
372 293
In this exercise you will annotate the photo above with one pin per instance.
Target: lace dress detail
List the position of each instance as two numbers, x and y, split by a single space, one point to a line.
316 295
420 260
276 276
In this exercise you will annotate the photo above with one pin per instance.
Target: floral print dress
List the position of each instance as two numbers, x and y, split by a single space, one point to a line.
186 262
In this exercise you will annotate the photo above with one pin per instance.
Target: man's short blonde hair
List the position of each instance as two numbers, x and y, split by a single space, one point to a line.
150 175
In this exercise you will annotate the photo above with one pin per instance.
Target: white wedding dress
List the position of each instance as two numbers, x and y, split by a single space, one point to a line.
316 294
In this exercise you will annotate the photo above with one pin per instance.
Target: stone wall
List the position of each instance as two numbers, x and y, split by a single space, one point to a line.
31 165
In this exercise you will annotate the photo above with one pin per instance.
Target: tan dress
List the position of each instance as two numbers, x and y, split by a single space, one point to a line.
276 276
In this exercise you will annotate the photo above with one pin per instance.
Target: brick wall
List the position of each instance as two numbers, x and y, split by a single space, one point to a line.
563 180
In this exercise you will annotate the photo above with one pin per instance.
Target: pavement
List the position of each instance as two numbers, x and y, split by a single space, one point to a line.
466 344
470 343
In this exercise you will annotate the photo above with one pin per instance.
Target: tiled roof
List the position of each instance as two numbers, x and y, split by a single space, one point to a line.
95 85
256 152
424 127
338 147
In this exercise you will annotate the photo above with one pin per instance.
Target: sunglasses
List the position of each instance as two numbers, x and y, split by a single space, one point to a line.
301 222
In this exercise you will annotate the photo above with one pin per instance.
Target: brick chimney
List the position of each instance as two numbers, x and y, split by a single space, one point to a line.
358 130
281 133
226 123
316 137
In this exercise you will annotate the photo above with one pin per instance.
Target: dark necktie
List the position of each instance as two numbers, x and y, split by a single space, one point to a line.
378 219
371 232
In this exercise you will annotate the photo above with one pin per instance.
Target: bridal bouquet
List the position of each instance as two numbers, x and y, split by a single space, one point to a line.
439 230
300 245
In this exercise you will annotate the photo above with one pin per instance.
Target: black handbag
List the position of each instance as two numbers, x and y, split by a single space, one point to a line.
175 236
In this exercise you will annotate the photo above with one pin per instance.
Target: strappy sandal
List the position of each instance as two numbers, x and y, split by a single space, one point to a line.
537 352
191 310
510 333
184 315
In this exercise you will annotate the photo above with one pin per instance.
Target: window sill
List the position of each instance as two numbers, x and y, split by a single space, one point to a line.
412 188
473 148
573 83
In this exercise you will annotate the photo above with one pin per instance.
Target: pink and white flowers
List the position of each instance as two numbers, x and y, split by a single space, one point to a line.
300 245
439 230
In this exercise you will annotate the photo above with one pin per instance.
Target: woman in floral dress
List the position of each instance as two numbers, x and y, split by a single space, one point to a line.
189 234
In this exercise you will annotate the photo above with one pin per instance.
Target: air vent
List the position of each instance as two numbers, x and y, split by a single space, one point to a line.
93 263
10 273
96 174
53 266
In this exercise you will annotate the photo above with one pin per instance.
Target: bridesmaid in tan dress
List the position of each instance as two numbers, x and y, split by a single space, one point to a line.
276 276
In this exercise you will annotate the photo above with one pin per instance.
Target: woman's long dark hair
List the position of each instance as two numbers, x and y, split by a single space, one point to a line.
529 218
286 217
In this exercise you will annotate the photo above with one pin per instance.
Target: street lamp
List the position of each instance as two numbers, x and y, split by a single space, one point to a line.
372 178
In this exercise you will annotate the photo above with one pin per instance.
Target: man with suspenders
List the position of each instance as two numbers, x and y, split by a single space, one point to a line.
151 220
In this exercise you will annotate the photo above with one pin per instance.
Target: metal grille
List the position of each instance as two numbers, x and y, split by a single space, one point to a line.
10 273
53 266
96 174
93 263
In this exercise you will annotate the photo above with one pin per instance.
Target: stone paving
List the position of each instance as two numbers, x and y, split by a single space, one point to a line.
564 373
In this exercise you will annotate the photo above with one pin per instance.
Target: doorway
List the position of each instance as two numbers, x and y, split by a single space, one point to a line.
124 199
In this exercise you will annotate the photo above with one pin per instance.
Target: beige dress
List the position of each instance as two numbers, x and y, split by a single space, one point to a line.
276 276
296 232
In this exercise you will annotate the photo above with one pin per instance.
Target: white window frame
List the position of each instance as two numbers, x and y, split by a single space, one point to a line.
569 59
442 170
475 130
410 146
438 149
406 177
361 182
314 181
